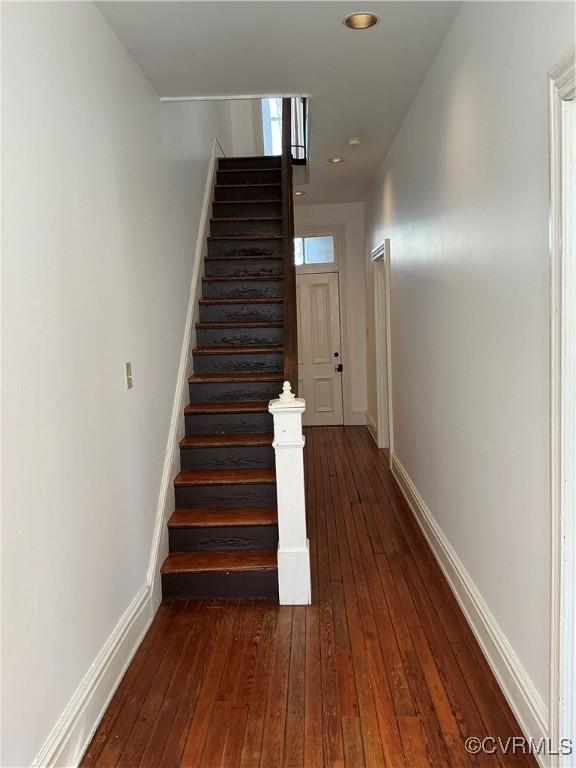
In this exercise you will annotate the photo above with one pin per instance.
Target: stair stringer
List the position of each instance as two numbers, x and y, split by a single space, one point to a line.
171 466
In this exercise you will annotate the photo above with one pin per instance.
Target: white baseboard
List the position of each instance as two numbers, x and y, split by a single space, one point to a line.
372 428
72 733
525 701
358 418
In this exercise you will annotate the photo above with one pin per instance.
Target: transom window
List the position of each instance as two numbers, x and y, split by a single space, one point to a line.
314 250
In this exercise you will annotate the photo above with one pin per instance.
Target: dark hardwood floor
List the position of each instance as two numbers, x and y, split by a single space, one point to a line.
382 670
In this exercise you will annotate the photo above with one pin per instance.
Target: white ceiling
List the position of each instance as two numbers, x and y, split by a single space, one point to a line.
361 83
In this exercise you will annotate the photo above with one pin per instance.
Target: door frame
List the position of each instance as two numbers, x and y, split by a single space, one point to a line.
338 232
383 347
562 108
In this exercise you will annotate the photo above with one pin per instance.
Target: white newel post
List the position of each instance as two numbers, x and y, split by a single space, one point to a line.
293 551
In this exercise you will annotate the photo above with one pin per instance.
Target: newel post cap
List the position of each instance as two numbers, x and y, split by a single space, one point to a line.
287 401
287 395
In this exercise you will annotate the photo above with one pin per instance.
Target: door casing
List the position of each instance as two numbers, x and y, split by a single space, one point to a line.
382 341
338 232
562 111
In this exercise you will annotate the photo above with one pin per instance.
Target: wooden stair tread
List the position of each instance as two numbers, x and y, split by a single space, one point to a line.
278 158
240 324
249 278
237 560
213 238
271 300
258 184
238 350
267 201
245 218
194 477
226 441
233 378
250 257
273 168
247 406
222 517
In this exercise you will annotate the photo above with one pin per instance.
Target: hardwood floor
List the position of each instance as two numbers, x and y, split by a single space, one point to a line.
382 670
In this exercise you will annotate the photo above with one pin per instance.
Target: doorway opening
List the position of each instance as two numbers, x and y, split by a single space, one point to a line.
320 363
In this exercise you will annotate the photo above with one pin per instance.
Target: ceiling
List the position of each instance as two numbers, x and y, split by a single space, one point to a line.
360 83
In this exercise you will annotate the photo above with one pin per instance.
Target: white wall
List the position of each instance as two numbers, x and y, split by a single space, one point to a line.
349 219
102 187
463 195
245 116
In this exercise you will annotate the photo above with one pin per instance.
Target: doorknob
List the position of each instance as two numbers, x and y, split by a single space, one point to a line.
339 368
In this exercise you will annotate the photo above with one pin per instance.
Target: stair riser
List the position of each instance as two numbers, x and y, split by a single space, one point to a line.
231 495
255 176
238 363
242 289
244 268
253 192
229 457
238 313
266 161
245 228
254 584
224 538
230 337
220 210
237 392
228 423
245 248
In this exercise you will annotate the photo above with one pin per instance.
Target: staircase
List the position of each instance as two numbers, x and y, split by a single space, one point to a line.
223 534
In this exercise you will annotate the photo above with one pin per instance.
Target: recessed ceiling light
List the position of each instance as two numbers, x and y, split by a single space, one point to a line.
355 142
299 193
335 160
360 20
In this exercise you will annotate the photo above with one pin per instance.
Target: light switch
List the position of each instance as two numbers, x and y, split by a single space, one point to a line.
128 372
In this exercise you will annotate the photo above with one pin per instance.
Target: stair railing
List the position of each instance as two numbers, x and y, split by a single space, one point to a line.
294 585
300 132
290 314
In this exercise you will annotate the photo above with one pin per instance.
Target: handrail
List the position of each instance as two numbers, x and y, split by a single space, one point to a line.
299 121
289 273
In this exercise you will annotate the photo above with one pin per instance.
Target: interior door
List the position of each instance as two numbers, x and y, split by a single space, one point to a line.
319 355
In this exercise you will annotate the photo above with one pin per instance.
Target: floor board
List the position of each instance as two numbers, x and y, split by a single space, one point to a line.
382 669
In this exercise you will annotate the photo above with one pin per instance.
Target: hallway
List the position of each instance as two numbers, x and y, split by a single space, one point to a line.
381 670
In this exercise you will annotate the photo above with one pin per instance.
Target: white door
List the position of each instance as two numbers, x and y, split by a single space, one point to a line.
319 354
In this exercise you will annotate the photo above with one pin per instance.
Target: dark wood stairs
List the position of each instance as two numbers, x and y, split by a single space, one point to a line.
223 534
